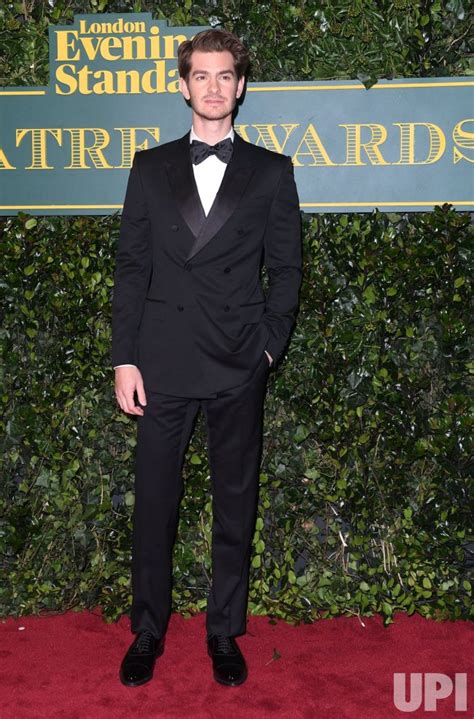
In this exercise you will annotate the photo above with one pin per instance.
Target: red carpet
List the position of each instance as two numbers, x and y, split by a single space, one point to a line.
66 667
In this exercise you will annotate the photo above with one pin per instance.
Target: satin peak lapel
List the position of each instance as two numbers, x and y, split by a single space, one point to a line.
234 182
181 178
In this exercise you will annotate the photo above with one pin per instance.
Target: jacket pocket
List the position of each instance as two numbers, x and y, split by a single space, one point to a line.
154 309
150 298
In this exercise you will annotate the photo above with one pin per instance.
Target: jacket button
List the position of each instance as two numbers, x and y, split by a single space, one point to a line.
175 228
240 232
227 270
226 308
180 308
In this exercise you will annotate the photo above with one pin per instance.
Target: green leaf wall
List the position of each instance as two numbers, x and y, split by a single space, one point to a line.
366 484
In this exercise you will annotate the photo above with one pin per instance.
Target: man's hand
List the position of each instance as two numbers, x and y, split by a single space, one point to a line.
128 379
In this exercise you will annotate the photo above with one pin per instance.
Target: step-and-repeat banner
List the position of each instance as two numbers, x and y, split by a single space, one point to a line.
405 144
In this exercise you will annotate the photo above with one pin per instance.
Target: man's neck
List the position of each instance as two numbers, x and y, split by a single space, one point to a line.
213 131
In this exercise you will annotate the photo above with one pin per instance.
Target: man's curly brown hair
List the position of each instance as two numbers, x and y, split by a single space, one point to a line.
214 40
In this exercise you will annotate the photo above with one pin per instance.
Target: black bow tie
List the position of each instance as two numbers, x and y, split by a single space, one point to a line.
200 151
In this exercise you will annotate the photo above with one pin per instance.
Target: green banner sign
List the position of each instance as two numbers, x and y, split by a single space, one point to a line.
405 144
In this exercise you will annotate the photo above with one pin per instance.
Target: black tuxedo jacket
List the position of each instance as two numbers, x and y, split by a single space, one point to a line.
188 308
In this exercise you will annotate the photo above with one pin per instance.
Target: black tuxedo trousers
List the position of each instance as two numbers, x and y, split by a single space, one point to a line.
234 427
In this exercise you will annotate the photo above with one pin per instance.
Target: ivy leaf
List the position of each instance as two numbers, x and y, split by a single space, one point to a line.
302 432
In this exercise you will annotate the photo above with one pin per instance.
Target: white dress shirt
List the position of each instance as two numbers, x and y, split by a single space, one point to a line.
208 176
209 173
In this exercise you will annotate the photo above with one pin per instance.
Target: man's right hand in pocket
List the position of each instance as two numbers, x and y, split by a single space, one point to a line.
128 379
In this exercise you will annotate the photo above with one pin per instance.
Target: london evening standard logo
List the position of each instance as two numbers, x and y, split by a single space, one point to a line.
117 56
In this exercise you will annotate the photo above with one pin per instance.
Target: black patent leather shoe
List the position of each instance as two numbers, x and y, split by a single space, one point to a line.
139 662
228 663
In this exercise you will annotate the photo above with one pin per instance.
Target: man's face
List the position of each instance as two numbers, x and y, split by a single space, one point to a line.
212 86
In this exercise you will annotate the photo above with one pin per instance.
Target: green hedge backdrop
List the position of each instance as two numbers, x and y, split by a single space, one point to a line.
365 486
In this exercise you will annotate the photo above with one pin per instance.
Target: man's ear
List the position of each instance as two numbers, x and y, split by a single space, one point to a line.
184 88
240 87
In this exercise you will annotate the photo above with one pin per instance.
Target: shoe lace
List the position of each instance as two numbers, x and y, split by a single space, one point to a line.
224 645
144 643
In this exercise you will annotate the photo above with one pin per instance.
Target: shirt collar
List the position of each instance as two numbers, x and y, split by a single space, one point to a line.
193 136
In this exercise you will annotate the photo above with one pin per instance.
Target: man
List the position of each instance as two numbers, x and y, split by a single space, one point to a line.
193 330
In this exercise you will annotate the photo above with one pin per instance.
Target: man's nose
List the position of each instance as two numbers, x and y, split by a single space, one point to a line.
213 85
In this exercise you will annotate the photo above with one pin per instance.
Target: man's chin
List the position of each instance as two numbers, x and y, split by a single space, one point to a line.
218 113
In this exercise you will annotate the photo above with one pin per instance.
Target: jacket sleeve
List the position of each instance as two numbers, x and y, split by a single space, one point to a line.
282 259
133 267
